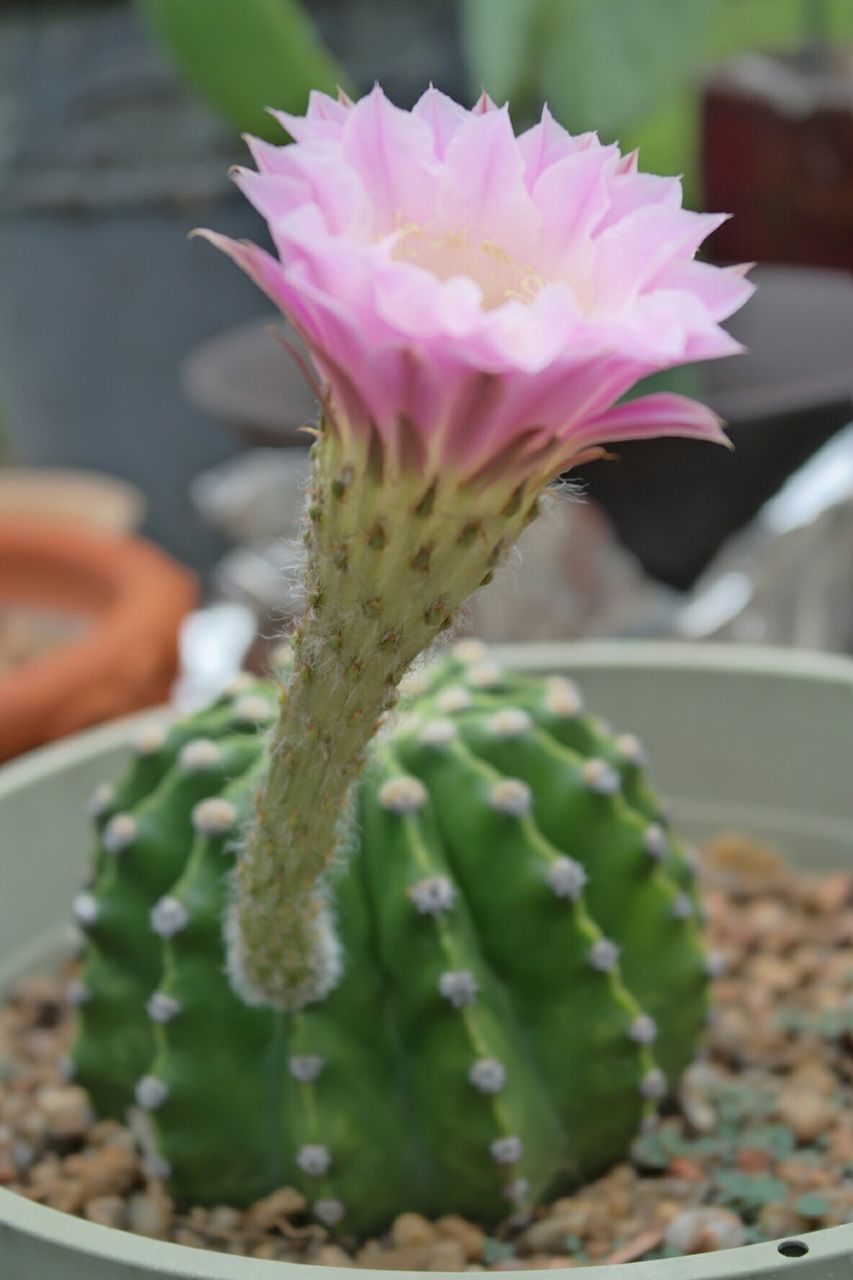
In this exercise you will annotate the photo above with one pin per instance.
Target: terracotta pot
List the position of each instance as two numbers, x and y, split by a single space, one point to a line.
129 598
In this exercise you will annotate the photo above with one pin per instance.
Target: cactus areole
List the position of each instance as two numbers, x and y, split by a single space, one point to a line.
444 958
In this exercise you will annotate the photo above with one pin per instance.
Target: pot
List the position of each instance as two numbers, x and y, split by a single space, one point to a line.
119 600
770 740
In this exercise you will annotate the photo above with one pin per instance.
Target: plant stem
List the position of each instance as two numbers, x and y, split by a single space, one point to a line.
391 558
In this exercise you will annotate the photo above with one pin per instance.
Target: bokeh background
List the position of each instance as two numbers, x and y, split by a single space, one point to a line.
127 352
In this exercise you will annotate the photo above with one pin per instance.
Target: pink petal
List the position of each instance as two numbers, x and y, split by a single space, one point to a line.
442 114
393 154
482 184
722 290
311 172
546 143
663 414
572 196
483 105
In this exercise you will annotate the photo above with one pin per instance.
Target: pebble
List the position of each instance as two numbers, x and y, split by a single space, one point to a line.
65 1111
446 1255
104 1171
411 1229
284 1203
107 1211
705 1230
149 1213
472 1238
809 1115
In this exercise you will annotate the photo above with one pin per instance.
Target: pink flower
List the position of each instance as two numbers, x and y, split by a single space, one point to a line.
483 301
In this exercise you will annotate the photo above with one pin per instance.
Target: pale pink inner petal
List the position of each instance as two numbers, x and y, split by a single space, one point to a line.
393 154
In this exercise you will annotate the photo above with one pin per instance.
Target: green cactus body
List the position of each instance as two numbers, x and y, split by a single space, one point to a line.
516 923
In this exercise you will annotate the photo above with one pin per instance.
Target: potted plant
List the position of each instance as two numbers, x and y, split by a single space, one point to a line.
90 627
297 962
778 146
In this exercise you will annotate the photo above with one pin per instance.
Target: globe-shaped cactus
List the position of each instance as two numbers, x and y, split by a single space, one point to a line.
522 975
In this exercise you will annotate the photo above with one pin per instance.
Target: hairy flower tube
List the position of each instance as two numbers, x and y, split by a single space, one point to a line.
476 305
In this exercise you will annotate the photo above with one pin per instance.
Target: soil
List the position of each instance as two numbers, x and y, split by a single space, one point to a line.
758 1145
27 633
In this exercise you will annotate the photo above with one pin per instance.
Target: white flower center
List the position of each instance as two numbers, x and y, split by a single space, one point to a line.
448 253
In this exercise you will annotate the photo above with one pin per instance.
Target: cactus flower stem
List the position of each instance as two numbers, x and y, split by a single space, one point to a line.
393 550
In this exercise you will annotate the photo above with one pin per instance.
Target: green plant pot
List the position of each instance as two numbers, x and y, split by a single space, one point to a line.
756 739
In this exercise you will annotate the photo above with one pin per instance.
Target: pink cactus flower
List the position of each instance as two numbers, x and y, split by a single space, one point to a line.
482 300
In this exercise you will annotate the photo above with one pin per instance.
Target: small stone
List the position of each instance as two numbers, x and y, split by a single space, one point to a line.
281 1204
705 1230
332 1255
149 1213
470 1237
107 1211
778 1219
66 1111
446 1255
809 1115
412 1229
104 1171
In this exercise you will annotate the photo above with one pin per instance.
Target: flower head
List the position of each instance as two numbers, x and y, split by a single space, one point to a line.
477 299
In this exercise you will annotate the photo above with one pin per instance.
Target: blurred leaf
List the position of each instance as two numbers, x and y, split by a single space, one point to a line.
246 55
631 69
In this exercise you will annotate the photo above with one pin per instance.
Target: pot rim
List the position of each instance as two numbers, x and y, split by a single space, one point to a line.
824 1250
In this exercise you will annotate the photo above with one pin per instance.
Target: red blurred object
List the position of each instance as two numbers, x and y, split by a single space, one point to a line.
777 139
128 599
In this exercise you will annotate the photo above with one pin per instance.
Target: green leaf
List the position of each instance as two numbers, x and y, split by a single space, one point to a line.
246 55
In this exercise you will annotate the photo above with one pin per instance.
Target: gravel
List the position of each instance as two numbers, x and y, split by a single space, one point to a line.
758 1146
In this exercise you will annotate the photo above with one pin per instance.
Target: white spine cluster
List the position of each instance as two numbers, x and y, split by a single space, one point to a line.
508 1150
603 955
162 1007
655 841
149 740
314 1159
510 722
601 777
85 909
100 799
306 1067
433 896
199 754
329 1212
456 698
643 1029
488 1075
151 1092
119 833
403 795
562 698
438 733
459 987
511 796
252 708
214 816
168 917
566 877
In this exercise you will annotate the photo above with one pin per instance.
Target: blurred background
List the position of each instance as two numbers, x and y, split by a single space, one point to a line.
151 452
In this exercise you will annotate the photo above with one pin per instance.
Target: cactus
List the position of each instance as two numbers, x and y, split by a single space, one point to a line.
522 968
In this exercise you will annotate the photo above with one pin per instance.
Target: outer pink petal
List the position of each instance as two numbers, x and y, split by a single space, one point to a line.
663 414
312 173
631 191
442 114
546 143
722 290
324 119
393 154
